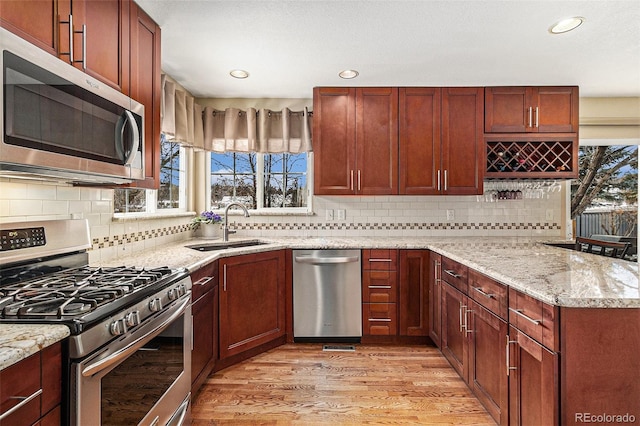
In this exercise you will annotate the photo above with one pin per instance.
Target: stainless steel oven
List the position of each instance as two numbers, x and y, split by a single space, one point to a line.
128 358
140 378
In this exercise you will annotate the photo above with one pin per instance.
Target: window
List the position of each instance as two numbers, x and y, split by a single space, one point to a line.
170 195
259 181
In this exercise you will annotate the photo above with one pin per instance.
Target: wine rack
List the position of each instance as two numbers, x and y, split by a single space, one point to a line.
532 158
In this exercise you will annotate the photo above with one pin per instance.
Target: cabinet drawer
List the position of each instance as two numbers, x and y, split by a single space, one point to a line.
455 274
489 293
17 382
379 319
380 260
379 286
535 318
203 280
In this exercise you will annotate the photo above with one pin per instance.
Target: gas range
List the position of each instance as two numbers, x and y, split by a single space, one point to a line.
130 326
44 279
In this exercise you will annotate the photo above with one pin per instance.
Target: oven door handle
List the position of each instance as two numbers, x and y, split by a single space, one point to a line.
115 357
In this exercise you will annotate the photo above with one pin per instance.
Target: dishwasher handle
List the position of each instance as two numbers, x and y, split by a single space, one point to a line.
326 260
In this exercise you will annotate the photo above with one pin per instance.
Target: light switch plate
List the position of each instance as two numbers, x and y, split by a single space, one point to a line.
329 214
342 214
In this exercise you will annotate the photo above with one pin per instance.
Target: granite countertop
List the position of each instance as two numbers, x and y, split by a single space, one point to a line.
18 341
553 275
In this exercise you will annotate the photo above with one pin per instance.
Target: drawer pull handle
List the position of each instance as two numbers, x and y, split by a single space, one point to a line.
380 286
452 273
25 401
379 319
488 295
203 281
380 260
519 313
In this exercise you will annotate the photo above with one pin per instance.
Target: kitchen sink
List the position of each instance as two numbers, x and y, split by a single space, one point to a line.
222 245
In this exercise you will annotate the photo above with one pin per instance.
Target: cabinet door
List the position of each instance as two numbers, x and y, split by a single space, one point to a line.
252 301
145 88
454 344
419 140
506 110
435 298
105 40
556 109
36 21
487 358
414 292
533 382
204 314
376 141
334 140
463 153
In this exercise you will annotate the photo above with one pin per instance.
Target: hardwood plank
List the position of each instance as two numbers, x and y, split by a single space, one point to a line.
301 384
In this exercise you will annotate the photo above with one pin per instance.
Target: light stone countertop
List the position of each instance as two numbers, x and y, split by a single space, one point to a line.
553 275
18 341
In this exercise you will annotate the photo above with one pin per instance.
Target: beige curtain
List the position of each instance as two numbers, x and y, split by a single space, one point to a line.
181 116
284 131
266 131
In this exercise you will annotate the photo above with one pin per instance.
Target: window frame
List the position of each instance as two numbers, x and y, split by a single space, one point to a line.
260 178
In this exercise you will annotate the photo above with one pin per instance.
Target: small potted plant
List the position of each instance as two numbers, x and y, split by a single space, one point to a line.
208 223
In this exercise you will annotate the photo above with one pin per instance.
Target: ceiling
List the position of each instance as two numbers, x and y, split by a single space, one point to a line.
288 47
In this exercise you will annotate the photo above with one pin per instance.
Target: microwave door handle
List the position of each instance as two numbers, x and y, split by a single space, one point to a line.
120 148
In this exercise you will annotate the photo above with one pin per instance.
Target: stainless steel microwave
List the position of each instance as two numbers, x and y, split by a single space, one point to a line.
60 123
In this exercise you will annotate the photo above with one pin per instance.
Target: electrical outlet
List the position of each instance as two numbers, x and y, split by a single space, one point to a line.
451 215
548 214
329 214
342 214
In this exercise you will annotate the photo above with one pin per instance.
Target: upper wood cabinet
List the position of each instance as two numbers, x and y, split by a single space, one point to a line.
531 109
101 40
36 21
355 141
145 88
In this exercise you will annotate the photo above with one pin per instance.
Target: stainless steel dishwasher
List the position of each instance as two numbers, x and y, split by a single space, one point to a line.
327 295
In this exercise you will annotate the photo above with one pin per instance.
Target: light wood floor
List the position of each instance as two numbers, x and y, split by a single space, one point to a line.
301 384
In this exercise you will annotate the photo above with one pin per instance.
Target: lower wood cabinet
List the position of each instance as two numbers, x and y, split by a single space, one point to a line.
488 379
414 293
533 382
435 297
379 292
204 310
40 376
454 342
252 301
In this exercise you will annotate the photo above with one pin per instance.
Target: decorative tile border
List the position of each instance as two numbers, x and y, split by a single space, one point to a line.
115 240
432 226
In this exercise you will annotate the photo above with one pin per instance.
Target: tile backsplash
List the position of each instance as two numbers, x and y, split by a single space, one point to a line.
371 216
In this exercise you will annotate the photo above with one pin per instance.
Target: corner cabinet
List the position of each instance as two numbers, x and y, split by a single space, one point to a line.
252 301
355 141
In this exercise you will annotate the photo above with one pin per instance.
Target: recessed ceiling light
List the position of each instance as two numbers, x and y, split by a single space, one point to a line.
348 74
566 25
239 73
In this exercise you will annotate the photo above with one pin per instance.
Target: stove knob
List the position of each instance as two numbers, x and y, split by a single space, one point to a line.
117 328
132 319
172 294
182 290
155 305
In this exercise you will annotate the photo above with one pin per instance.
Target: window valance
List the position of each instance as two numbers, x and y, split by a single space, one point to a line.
232 129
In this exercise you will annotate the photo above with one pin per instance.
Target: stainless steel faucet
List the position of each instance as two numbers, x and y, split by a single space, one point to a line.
225 224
